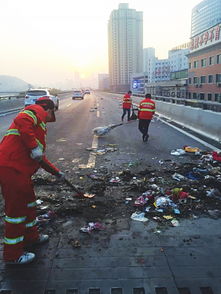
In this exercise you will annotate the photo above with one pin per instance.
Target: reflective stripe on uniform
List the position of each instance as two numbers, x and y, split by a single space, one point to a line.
32 204
31 114
13 241
148 103
12 132
146 109
43 125
15 220
40 145
31 224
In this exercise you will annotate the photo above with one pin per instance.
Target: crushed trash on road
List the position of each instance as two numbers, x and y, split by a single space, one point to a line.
163 195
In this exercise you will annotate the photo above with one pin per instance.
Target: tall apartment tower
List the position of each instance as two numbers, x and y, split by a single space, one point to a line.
149 63
205 15
125 46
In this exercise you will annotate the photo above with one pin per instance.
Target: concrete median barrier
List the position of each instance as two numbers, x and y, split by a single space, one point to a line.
205 122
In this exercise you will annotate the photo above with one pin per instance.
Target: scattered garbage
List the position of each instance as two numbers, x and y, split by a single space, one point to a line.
162 202
216 156
175 222
191 149
46 217
92 227
178 152
87 195
74 243
139 216
140 201
164 194
115 180
178 177
215 193
104 149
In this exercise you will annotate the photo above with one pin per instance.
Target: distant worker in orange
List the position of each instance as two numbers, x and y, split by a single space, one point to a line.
146 111
127 104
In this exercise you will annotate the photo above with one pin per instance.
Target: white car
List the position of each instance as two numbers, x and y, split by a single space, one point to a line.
78 94
33 94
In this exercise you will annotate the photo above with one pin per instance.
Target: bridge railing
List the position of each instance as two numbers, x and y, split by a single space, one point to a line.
208 105
10 96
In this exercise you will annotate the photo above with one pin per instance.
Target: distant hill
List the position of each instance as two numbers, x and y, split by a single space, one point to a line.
12 84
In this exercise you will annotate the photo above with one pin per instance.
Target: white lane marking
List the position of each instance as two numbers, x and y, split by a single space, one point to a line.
98 113
68 105
192 136
92 156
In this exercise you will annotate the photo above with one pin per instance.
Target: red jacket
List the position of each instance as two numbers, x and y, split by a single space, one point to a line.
127 101
146 109
27 131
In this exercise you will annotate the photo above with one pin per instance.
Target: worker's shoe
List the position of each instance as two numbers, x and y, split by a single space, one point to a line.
42 239
25 258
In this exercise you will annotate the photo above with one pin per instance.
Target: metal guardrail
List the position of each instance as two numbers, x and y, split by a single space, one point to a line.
8 97
207 105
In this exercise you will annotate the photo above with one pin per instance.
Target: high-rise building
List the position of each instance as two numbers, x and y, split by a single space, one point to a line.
178 57
149 63
125 46
205 15
103 82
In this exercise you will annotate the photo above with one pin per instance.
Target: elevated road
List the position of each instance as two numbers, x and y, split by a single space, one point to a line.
133 259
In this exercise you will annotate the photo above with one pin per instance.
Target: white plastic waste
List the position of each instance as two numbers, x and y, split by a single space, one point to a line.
139 216
178 177
101 131
178 152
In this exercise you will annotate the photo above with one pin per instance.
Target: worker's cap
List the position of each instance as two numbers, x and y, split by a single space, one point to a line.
47 103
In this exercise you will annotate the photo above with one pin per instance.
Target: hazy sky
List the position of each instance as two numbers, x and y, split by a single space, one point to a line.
46 41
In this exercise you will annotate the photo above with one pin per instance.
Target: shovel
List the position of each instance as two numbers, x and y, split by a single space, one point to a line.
69 184
48 168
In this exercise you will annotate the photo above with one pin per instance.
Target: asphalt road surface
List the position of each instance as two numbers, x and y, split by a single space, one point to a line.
133 259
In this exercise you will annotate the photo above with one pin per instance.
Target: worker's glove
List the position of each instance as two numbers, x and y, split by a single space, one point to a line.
61 176
37 153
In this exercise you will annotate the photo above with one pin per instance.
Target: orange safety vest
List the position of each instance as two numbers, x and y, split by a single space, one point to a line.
127 101
146 109
27 131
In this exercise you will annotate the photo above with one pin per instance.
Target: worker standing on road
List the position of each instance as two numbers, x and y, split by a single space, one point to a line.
127 103
21 155
146 111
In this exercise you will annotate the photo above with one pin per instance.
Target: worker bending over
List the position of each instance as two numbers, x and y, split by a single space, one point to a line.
21 155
